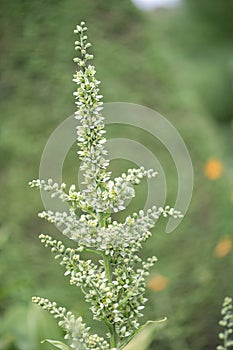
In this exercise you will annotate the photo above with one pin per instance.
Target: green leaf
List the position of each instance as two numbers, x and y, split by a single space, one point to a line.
142 337
57 344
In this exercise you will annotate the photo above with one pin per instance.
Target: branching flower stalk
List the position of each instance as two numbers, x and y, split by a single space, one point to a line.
115 285
226 335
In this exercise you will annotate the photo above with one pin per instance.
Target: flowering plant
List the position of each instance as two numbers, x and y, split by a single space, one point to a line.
227 324
115 284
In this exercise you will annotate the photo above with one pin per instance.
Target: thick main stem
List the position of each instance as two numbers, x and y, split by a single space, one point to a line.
107 265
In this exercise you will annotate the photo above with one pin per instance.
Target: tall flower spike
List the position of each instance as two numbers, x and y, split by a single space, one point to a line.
115 283
90 134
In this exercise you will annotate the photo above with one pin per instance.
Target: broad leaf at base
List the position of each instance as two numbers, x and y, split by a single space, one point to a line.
142 337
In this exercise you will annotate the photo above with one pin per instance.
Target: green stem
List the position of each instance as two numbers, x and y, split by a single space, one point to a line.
107 265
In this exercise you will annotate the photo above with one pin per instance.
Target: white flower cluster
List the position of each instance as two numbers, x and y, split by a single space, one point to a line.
51 187
117 301
227 323
88 232
90 134
111 197
77 333
115 284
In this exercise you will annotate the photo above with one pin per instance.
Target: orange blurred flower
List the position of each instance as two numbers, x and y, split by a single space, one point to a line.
223 247
158 283
213 169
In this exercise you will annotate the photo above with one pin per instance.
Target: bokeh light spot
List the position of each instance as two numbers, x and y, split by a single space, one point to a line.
158 283
213 169
223 248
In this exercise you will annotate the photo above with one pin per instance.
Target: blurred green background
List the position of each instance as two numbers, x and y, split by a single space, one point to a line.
177 61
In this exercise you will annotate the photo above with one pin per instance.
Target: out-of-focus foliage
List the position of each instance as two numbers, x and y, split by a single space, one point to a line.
217 14
24 326
171 61
214 20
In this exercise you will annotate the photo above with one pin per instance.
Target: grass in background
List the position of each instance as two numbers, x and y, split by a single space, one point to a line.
163 61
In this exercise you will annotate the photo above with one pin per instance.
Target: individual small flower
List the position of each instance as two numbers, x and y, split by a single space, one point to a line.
158 283
213 169
223 248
